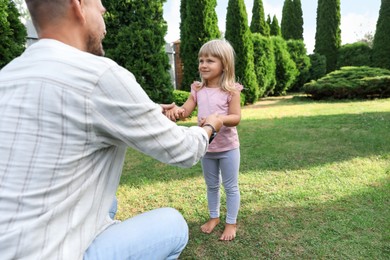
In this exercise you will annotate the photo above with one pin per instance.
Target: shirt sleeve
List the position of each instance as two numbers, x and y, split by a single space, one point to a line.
194 88
238 87
122 113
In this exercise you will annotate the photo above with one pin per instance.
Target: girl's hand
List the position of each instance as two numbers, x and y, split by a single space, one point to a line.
174 113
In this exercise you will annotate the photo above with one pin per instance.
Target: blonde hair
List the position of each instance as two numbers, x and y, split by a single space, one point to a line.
224 51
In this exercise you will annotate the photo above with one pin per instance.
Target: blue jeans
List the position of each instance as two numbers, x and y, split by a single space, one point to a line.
157 234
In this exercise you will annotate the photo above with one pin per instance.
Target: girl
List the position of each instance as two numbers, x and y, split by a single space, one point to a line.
218 93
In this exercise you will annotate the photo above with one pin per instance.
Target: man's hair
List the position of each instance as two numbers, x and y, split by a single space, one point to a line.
46 11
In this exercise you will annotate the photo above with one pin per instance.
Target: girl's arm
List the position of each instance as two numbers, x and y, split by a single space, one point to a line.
187 107
182 112
233 117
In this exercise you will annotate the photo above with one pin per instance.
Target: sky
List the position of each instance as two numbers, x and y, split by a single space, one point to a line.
358 17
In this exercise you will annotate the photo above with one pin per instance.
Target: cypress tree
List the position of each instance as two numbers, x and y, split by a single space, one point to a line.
292 20
258 22
286 70
239 35
199 25
381 44
274 27
328 33
135 39
264 60
13 32
297 51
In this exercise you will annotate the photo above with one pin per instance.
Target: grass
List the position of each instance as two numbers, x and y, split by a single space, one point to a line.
314 182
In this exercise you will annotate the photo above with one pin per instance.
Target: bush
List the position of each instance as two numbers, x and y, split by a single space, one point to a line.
264 59
180 97
318 66
351 82
355 54
286 70
297 51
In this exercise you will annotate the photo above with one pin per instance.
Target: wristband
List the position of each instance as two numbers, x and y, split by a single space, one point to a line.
213 133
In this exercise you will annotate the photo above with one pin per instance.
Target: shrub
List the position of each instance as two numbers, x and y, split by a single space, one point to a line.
355 54
297 51
351 82
180 97
318 66
264 59
286 70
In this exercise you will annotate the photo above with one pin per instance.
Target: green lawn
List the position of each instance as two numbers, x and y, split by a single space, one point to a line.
314 182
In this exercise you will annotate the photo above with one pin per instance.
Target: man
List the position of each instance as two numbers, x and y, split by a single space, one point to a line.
67 118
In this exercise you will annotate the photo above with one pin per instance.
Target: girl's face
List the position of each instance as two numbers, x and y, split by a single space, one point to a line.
210 69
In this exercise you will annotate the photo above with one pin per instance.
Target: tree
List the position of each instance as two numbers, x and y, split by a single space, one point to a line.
286 70
318 66
264 60
354 54
381 44
274 27
199 24
13 32
297 51
239 35
22 8
135 40
292 20
258 22
328 33
368 38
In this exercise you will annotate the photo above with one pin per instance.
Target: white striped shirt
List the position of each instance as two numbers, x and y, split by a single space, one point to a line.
66 120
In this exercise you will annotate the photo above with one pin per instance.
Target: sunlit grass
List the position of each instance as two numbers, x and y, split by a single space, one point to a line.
314 184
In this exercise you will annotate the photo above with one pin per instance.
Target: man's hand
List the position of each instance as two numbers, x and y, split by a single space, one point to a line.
214 120
165 107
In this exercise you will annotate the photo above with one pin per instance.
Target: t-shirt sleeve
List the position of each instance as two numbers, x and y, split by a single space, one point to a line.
239 88
194 88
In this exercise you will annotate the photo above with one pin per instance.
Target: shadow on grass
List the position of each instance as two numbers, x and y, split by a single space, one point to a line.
288 143
353 227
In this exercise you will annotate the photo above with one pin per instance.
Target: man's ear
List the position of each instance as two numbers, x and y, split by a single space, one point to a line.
78 9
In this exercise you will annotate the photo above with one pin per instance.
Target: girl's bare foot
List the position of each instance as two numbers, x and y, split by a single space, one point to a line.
209 226
229 233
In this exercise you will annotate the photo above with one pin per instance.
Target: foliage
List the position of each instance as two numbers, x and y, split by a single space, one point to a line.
239 35
354 54
13 32
135 40
368 39
199 23
22 8
381 46
318 66
314 184
350 83
258 22
297 51
328 33
264 61
286 70
292 20
274 27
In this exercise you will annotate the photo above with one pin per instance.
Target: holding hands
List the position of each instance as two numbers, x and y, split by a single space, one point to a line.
174 112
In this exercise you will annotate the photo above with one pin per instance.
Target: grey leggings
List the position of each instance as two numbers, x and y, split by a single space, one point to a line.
225 164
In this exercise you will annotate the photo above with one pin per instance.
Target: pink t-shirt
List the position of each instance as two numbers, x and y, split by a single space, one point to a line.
215 100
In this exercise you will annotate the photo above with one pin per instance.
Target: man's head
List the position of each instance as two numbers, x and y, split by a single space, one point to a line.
78 23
